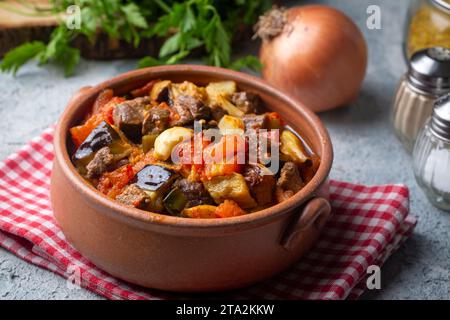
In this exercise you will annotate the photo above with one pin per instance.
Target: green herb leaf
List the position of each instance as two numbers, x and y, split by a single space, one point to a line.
149 62
188 22
59 50
192 43
152 62
134 16
170 45
89 21
248 62
177 57
69 57
20 55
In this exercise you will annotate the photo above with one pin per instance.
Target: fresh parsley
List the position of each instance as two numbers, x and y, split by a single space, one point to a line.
15 58
186 27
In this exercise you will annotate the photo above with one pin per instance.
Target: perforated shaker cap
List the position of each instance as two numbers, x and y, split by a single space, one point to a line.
440 120
429 70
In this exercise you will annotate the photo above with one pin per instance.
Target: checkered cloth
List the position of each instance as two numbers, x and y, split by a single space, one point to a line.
367 226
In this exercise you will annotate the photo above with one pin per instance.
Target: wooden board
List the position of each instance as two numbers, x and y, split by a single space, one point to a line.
18 23
18 14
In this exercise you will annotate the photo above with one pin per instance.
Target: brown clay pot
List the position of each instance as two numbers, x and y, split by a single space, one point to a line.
181 254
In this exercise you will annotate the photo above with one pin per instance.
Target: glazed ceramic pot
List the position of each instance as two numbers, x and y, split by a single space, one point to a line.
182 254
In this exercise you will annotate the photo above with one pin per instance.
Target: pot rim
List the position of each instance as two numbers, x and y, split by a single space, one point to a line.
138 216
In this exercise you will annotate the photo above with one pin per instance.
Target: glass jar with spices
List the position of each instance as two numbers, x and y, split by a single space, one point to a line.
431 156
428 25
428 77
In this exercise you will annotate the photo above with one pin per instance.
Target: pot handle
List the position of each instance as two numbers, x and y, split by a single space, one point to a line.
77 94
313 215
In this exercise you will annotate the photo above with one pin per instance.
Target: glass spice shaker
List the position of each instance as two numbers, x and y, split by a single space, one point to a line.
428 77
431 156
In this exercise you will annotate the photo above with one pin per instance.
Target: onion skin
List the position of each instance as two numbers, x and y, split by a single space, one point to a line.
320 58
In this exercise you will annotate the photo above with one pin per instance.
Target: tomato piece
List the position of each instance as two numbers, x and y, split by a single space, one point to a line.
222 169
190 156
190 152
234 145
225 157
112 183
80 133
142 160
107 110
103 112
274 120
227 148
145 90
229 208
201 212
102 99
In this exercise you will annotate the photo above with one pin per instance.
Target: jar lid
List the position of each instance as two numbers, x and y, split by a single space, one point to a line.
440 120
429 70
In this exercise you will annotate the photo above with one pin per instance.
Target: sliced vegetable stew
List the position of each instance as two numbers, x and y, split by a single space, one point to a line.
191 151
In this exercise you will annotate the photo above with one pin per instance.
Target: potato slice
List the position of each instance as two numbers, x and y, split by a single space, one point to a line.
189 89
226 105
231 125
292 147
231 187
223 88
218 94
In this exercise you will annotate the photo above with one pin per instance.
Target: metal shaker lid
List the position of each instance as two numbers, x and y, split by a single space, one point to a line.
429 70
441 4
440 120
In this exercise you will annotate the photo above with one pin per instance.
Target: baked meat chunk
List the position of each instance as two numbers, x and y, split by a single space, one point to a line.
261 183
102 160
246 101
129 115
156 120
133 196
290 178
194 192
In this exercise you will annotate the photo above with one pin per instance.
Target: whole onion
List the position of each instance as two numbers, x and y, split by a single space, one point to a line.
315 53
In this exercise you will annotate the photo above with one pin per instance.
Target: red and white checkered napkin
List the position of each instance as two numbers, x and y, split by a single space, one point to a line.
367 226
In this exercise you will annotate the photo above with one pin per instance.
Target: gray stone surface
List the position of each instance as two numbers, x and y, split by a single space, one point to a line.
366 151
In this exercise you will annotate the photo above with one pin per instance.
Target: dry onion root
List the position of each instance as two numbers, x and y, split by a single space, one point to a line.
315 53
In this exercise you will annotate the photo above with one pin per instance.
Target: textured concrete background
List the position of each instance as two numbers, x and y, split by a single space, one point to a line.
366 151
